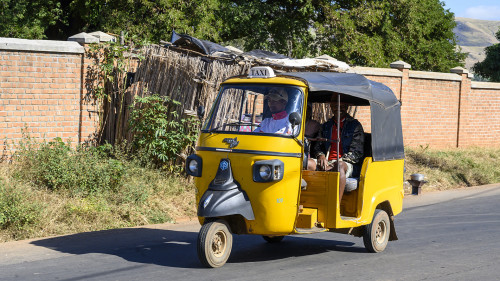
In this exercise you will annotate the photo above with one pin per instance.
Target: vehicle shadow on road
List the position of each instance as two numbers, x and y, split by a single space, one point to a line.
178 248
142 245
252 248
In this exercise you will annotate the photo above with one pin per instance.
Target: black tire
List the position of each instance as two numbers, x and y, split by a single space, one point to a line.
376 234
273 239
215 242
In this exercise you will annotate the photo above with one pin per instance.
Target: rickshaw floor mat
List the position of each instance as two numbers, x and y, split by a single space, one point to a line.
310 230
344 218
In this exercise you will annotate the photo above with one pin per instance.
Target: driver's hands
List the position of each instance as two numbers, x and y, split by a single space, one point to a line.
322 162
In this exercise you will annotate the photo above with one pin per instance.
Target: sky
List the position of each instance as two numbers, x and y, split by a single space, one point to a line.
474 9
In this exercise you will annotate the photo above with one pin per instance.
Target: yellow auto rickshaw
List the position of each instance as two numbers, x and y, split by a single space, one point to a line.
249 167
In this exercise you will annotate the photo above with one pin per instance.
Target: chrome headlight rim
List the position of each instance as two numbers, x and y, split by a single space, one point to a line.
193 166
276 168
265 172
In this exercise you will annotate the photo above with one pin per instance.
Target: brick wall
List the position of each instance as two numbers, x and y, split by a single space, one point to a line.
41 91
441 109
480 117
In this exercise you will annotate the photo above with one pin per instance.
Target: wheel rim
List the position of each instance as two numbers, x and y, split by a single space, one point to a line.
381 232
219 244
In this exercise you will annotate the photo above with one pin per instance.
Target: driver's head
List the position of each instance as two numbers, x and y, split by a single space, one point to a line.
277 99
334 107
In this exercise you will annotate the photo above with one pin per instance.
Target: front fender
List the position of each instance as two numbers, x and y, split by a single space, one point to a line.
218 203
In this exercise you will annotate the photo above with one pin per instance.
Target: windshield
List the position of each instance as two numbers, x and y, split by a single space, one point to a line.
256 109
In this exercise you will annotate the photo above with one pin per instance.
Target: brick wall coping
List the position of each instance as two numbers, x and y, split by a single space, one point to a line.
377 71
485 85
51 46
434 75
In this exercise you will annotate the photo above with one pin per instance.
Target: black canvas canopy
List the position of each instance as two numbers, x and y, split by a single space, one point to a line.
355 89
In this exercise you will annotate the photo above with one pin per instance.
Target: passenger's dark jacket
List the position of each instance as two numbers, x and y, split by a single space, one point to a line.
351 138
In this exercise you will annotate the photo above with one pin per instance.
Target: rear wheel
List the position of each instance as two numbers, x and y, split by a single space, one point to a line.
376 234
215 242
273 239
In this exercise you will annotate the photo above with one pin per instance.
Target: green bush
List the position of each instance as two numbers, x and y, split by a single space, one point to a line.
17 211
158 131
57 166
53 188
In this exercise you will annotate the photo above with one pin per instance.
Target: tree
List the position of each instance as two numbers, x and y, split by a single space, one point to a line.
27 19
489 68
283 26
154 20
362 32
151 20
376 33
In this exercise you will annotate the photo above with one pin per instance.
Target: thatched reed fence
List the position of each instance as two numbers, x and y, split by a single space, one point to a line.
186 76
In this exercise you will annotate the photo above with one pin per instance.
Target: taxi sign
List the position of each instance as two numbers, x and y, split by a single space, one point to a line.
261 72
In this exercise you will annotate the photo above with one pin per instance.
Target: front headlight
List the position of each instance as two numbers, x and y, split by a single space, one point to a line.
268 170
265 172
193 166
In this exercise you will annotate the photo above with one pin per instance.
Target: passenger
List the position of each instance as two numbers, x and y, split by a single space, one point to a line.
313 129
351 145
277 99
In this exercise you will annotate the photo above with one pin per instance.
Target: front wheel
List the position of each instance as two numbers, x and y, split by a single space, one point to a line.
215 242
376 234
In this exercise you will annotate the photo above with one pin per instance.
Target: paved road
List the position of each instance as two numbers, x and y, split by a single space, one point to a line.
443 236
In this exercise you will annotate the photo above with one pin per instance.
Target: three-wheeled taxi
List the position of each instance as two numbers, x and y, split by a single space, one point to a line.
249 165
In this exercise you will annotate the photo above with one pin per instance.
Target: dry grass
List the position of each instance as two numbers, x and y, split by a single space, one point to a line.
452 168
147 196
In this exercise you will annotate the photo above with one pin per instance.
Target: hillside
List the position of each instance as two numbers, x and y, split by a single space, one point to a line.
473 36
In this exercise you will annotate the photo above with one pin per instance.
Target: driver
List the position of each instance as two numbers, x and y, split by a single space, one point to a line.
277 99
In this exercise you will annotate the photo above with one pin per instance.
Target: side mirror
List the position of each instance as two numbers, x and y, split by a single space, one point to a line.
295 119
200 112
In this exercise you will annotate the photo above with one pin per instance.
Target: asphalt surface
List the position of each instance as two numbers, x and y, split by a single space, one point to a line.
451 235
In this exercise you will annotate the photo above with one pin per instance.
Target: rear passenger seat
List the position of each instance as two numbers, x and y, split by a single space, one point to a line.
351 184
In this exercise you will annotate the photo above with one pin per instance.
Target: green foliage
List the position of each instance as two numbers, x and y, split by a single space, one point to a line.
369 33
16 209
110 63
57 166
489 68
158 131
281 26
69 199
105 84
28 19
154 20
151 20
376 33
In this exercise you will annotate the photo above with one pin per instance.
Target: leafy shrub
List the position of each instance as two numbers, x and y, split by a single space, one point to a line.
54 188
56 165
16 209
158 131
